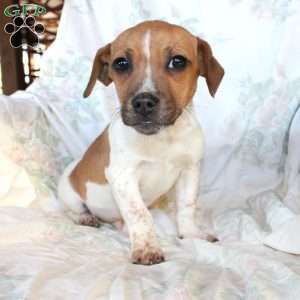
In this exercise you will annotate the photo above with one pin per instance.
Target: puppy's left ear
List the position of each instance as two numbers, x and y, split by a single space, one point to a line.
209 67
100 70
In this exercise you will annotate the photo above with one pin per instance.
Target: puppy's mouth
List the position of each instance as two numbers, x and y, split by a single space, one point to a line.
148 126
148 113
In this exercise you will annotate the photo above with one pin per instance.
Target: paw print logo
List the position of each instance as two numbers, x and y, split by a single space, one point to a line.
24 26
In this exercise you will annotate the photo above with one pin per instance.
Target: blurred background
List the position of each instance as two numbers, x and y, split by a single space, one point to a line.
20 66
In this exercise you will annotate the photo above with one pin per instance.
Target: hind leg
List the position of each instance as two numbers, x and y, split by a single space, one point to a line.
74 206
85 218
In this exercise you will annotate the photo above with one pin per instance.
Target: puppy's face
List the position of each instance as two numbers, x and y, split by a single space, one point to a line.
155 66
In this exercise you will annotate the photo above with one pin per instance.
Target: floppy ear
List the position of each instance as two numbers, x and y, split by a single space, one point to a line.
100 70
209 67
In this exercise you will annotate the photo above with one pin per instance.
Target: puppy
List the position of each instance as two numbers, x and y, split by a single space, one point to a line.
154 144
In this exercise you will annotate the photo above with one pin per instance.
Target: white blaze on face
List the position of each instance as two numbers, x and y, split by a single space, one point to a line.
147 85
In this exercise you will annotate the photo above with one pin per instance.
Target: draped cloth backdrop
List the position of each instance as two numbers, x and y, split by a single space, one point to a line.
250 178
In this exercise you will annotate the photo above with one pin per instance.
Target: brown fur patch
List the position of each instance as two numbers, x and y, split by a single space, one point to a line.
167 40
92 165
160 203
174 88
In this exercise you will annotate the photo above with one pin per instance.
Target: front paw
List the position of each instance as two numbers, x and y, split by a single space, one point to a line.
147 255
197 234
203 236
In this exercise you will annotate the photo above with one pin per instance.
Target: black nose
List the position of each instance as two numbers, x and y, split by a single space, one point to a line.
144 103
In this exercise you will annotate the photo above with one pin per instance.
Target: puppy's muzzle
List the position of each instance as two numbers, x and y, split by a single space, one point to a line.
145 113
145 104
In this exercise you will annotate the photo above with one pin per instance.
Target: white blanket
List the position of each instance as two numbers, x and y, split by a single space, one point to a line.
250 188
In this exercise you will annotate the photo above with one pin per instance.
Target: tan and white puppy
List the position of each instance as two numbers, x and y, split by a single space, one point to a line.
154 144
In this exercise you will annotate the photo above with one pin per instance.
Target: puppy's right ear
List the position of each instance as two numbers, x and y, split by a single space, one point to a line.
100 70
209 67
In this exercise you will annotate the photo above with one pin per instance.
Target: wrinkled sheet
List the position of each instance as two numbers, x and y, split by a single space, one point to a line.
250 185
51 258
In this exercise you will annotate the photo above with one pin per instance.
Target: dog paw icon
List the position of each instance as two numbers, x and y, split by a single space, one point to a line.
24 27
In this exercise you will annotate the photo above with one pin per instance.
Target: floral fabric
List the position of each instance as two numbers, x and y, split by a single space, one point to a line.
252 159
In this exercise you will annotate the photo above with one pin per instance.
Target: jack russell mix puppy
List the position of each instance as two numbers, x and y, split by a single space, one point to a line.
154 144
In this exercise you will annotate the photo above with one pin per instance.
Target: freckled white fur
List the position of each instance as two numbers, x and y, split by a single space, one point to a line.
141 169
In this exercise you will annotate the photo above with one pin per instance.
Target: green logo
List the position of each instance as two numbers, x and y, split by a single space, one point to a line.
22 10
23 23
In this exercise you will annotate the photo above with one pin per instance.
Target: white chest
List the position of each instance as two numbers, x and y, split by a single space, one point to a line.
153 162
156 161
156 179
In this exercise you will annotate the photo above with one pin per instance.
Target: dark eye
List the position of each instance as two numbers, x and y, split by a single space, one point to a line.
121 64
177 62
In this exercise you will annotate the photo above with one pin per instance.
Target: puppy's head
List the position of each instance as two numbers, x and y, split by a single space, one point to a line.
155 66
